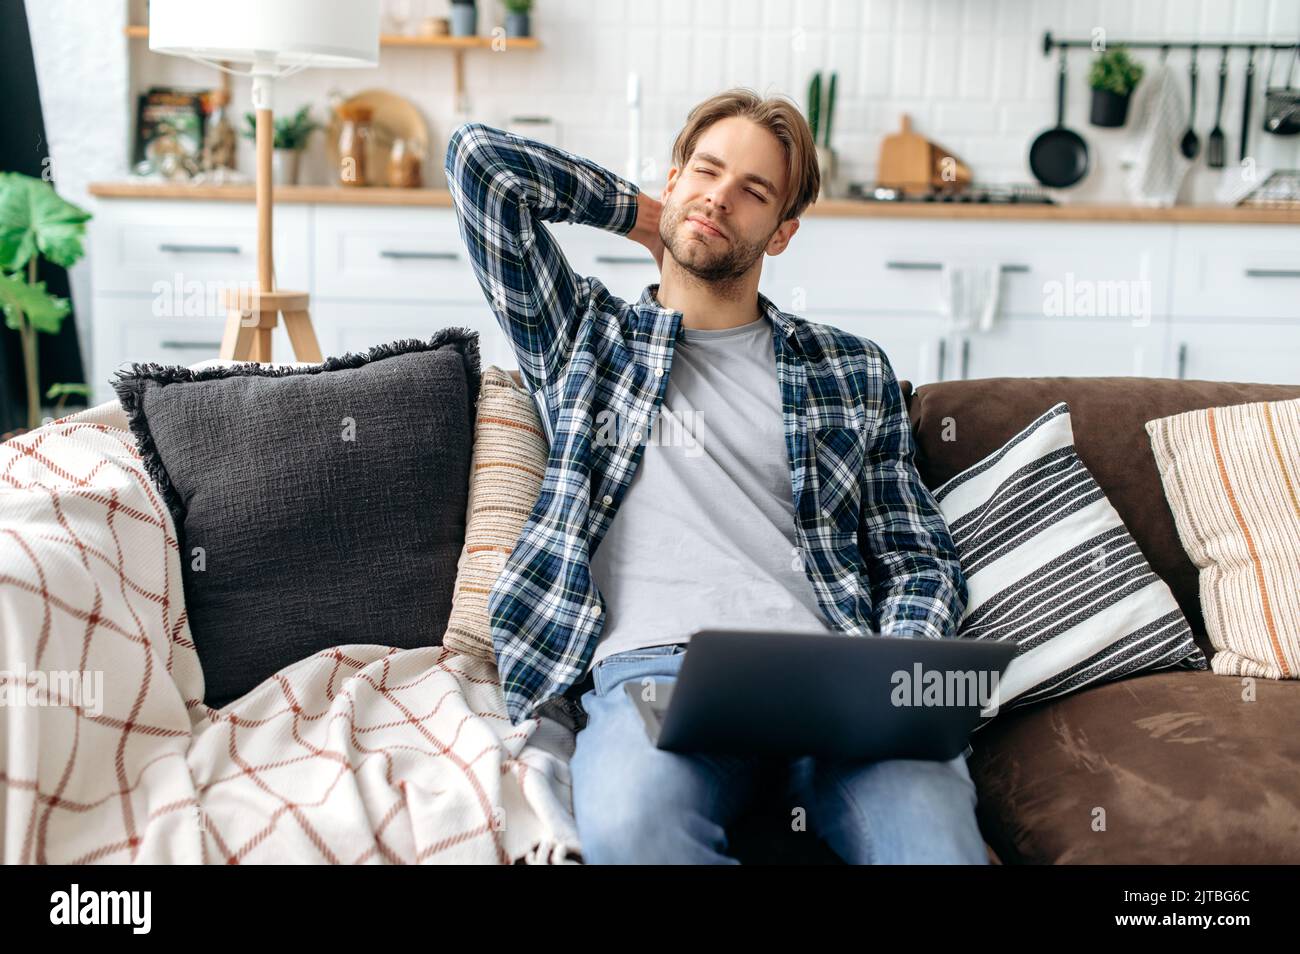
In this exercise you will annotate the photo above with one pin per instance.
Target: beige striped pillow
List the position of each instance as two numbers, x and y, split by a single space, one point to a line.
505 478
1232 478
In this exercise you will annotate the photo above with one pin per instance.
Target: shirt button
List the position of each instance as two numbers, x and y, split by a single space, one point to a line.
607 500
659 371
595 610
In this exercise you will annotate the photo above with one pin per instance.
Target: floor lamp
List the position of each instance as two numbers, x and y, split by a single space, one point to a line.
275 38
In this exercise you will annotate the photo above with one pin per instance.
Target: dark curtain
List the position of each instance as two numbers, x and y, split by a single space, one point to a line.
23 148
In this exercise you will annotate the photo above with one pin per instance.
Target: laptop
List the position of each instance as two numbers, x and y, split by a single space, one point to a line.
823 694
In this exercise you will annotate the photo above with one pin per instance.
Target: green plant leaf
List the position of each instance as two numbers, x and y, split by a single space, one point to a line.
59 390
33 217
1116 71
289 132
45 312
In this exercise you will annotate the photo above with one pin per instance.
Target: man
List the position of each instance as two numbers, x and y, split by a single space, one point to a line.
768 480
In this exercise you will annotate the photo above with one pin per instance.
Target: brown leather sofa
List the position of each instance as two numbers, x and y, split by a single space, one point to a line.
1179 767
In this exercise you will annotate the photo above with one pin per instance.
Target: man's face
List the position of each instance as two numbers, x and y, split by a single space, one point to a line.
735 181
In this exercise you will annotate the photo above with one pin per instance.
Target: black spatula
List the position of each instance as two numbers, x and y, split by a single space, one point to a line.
1191 144
1245 105
1214 145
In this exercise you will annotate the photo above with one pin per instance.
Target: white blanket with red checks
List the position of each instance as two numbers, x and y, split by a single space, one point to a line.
359 754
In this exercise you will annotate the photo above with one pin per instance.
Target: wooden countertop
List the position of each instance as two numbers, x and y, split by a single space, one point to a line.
839 208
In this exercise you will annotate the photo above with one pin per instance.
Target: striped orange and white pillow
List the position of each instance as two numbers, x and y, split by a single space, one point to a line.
506 474
1232 479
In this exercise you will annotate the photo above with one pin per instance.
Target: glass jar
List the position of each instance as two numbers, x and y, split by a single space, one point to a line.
219 143
404 165
354 145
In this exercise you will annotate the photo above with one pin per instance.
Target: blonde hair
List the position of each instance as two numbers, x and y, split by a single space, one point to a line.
779 116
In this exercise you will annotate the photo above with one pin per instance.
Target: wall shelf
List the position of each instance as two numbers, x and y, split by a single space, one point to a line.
456 44
424 42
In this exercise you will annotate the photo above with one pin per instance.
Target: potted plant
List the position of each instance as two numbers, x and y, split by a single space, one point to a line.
1113 77
464 18
291 135
821 109
35 221
517 17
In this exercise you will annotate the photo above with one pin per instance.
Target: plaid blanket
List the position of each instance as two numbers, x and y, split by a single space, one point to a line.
359 754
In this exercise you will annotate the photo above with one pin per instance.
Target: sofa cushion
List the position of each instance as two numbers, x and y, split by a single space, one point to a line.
957 423
314 506
1170 768
1232 478
1051 568
505 479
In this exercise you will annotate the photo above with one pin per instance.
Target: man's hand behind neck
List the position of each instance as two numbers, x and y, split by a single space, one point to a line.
645 231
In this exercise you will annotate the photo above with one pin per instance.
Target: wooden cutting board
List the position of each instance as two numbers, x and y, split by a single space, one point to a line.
910 161
904 159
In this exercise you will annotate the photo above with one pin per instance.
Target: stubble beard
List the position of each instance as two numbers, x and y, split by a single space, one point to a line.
731 259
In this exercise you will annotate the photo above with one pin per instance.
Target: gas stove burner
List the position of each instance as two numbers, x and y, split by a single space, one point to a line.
975 194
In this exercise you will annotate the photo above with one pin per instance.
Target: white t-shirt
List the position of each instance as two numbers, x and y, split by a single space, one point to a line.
705 535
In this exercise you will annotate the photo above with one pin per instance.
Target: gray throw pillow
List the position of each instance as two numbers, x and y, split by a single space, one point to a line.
315 506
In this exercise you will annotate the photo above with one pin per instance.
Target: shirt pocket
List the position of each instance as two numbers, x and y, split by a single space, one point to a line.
839 454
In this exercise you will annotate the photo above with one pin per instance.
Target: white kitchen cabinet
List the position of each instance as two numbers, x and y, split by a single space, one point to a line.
846 265
392 254
911 343
351 326
133 328
158 269
1237 271
1266 352
895 267
166 247
1077 347
1077 298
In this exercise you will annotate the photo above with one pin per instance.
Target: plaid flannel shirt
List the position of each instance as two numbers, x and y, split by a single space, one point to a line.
873 543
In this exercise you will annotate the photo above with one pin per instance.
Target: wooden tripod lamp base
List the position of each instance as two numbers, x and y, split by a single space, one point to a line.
251 314
250 317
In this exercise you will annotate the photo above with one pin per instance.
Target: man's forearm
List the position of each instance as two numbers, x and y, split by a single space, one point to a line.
924 594
917 584
486 165
504 188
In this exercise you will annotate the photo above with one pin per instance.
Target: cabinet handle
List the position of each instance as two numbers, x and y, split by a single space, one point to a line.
624 260
199 249
1182 360
965 357
189 345
1273 273
401 254
936 266
943 355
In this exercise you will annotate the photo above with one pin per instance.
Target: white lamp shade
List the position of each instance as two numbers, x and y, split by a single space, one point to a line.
270 33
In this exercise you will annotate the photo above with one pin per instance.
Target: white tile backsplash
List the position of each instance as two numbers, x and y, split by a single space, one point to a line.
970 72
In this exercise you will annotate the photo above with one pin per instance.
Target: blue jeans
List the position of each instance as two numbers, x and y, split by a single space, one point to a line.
638 804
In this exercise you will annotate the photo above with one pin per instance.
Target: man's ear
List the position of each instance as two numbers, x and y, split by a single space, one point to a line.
781 237
673 173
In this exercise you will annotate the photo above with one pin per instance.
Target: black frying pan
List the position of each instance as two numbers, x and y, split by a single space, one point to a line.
1058 157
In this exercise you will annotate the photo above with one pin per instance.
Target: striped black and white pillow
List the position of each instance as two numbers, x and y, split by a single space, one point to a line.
1051 567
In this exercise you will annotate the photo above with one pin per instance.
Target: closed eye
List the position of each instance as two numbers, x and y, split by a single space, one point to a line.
710 172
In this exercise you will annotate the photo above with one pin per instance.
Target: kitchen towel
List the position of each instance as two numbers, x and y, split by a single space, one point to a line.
1154 166
970 295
